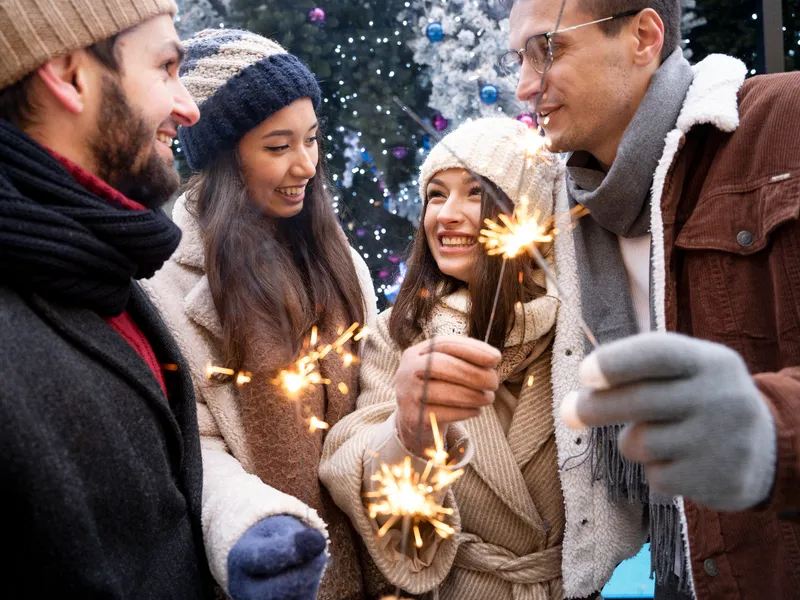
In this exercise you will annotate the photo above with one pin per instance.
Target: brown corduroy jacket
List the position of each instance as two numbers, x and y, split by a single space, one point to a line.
730 206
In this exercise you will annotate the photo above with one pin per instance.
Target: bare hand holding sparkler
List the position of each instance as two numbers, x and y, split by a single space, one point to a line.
460 381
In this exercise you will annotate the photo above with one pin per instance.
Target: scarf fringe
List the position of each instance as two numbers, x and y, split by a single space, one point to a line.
666 546
625 481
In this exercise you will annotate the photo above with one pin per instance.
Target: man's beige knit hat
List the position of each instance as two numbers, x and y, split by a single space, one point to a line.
34 31
497 149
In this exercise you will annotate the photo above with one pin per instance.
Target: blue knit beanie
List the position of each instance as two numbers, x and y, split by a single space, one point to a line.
238 79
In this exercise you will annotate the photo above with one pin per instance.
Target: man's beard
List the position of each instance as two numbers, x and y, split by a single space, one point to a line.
119 146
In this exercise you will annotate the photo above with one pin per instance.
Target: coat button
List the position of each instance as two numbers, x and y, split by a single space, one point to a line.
745 239
710 565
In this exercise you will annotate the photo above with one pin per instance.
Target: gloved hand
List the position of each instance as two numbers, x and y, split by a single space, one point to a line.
693 416
278 558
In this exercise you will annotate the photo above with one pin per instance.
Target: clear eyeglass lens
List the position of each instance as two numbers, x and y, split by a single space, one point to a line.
510 63
536 52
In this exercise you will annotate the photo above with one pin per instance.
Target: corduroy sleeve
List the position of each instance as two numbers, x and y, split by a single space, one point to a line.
782 391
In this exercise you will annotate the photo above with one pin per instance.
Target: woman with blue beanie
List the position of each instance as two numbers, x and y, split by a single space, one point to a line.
263 262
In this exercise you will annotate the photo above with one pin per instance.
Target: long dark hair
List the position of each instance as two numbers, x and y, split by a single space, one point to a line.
424 284
272 280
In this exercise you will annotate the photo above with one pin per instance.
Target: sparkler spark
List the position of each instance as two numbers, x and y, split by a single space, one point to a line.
301 376
403 493
515 233
305 372
535 146
314 425
212 370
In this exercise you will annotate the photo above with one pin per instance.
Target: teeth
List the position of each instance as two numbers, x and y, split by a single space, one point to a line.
162 137
293 191
458 241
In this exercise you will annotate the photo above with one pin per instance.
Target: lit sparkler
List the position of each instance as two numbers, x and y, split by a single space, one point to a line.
301 376
403 493
304 372
515 233
535 146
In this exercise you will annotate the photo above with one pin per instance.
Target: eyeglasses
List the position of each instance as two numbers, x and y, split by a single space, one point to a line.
540 51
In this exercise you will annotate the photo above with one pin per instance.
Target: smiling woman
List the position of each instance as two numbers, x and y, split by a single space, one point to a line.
263 267
279 157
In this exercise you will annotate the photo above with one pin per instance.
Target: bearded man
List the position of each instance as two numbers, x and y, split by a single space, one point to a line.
99 448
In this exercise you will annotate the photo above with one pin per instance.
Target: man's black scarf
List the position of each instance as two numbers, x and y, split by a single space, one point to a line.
66 244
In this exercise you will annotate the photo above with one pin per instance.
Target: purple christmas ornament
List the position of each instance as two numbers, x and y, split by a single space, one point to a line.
529 120
400 152
439 122
316 16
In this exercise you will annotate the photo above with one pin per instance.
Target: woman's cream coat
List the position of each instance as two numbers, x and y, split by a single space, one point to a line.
233 498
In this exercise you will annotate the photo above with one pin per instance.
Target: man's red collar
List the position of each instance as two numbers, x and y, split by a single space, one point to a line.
95 185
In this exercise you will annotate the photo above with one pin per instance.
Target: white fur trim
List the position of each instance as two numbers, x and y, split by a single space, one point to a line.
685 537
190 252
367 289
713 95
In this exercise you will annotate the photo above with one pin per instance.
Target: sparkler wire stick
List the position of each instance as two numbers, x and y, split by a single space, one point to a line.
494 304
424 400
403 547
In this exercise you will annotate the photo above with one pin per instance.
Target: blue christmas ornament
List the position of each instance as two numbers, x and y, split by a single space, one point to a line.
365 155
489 94
435 32
426 142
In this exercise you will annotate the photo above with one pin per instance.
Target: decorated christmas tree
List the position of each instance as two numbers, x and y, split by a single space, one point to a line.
459 43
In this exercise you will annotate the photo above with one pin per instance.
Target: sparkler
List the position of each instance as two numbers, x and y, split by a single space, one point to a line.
515 233
304 372
403 493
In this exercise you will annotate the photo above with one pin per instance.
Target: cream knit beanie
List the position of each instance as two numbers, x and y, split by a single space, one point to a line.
34 31
496 148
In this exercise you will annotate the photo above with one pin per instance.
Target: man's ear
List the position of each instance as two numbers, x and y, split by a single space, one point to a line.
649 36
66 78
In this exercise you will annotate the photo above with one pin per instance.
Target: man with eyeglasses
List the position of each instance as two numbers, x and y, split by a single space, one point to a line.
688 267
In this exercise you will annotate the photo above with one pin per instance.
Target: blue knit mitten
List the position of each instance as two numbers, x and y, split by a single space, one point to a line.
278 558
693 416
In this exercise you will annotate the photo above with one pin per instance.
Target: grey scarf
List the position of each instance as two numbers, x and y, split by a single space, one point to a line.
619 206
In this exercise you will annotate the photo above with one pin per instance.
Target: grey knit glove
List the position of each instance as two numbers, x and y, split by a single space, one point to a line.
693 416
